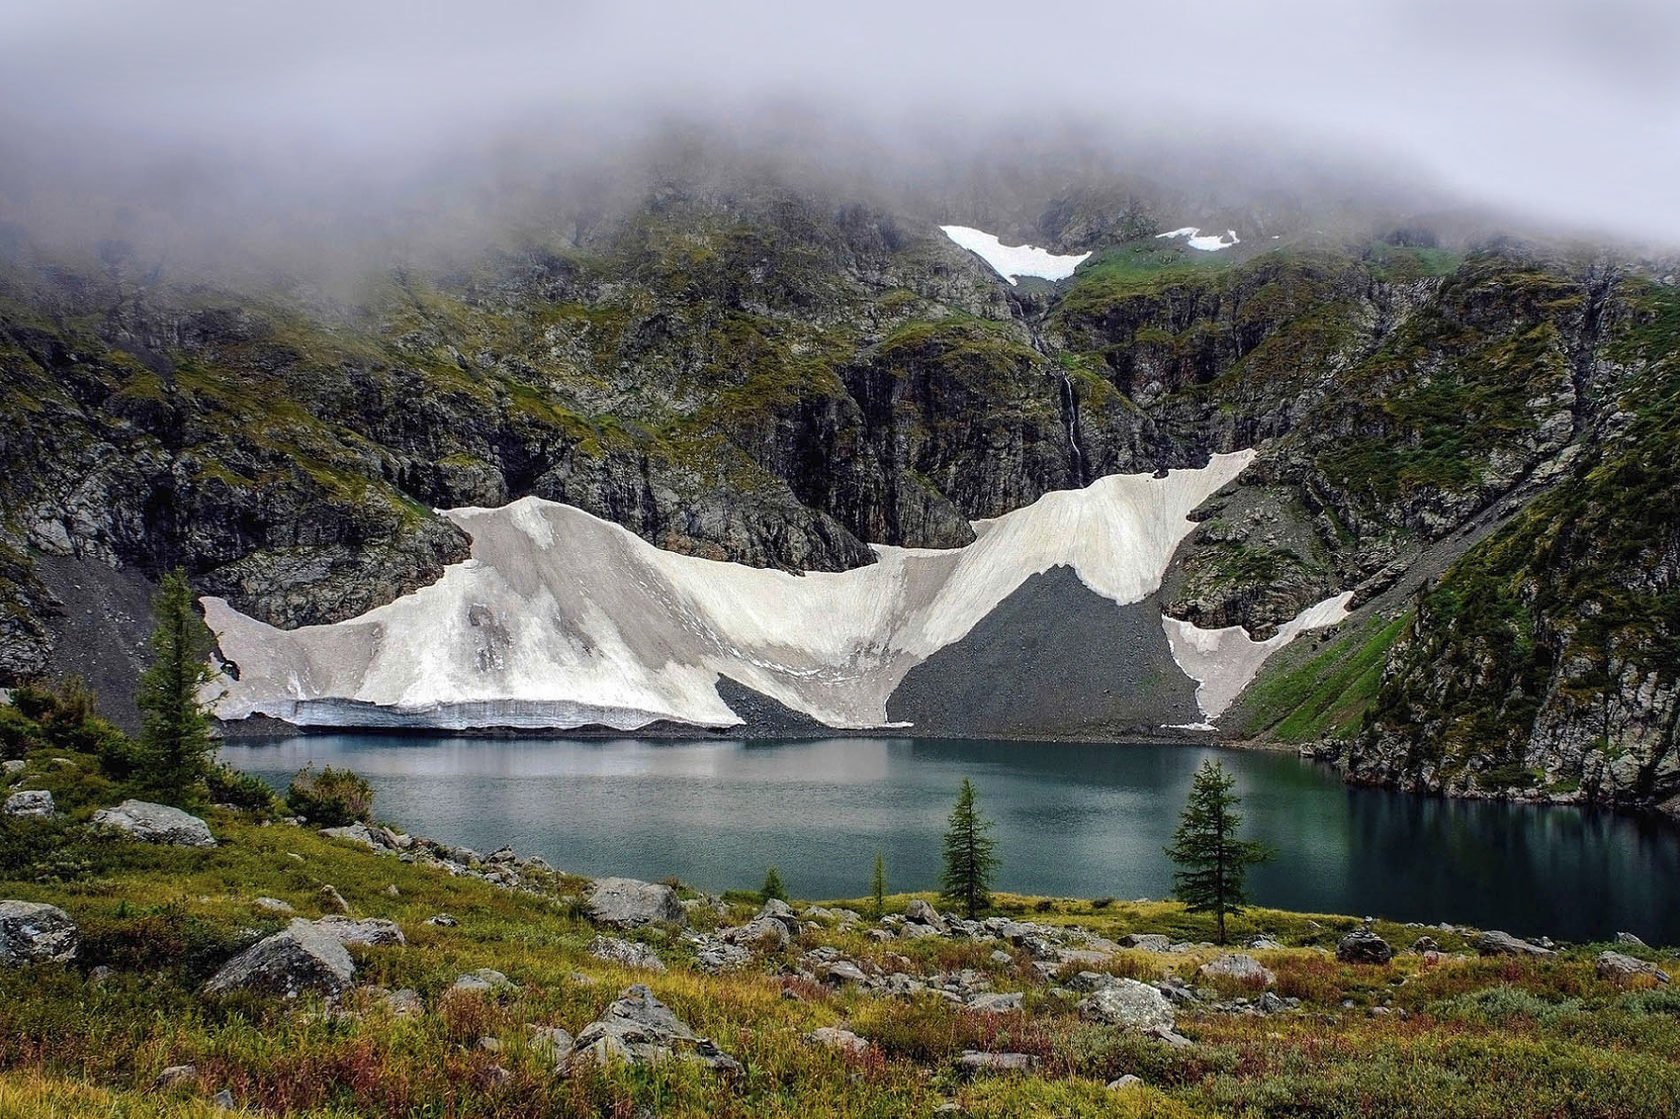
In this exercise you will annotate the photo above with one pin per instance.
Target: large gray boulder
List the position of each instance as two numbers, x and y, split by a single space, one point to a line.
33 933
1362 946
1131 1004
1617 966
1244 969
303 958
156 823
626 952
30 802
1146 942
640 1029
627 903
1504 944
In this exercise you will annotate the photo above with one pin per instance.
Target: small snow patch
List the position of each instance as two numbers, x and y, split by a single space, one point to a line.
1014 261
1206 242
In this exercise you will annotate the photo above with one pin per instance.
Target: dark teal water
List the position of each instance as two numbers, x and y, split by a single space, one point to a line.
1072 819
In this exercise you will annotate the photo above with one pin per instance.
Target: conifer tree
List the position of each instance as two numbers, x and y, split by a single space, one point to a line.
773 887
175 742
1212 861
970 858
878 886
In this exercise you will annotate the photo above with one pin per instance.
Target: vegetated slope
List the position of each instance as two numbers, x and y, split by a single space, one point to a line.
1438 1030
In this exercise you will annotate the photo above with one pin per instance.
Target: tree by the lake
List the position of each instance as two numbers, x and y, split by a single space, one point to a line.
970 855
772 888
175 742
878 885
1212 861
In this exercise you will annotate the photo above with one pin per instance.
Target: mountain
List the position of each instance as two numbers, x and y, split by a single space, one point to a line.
1457 482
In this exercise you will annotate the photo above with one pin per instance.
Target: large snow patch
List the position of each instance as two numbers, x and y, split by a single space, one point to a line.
1223 661
1206 242
560 619
1014 261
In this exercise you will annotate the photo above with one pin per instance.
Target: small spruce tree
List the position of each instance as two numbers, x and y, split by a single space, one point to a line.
175 742
970 856
1212 861
773 886
878 885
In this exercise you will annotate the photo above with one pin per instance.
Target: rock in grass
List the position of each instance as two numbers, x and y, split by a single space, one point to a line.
1146 942
1630 939
484 980
373 932
626 952
173 1075
640 1029
14 767
156 823
973 1061
627 903
1618 966
833 1037
442 921
995 1002
36 803
1362 946
303 958
275 906
1234 965
1130 1004
33 933
330 900
1127 1081
1504 944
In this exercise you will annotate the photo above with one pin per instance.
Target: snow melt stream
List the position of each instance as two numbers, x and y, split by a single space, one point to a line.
560 619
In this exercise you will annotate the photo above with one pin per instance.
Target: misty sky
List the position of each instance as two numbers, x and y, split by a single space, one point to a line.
1567 111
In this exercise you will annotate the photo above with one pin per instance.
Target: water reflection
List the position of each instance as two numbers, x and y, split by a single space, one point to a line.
1072 819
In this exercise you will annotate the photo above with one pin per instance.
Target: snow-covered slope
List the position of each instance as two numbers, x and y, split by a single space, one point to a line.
1223 661
1206 242
561 620
1013 261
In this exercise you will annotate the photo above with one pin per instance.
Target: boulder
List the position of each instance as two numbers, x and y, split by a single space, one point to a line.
1130 1004
1426 943
627 903
995 1002
1617 967
833 1037
640 1029
920 912
373 932
1362 946
1630 939
484 980
355 833
626 952
714 957
1244 969
442 921
330 900
973 1061
778 910
1124 1082
1504 944
275 906
156 823
843 971
1148 942
303 958
764 933
30 802
13 767
33 933
553 1042
174 1075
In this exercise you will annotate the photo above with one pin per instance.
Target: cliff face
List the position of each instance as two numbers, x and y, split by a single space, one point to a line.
781 379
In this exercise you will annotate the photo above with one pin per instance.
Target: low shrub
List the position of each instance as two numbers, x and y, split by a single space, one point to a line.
242 790
330 798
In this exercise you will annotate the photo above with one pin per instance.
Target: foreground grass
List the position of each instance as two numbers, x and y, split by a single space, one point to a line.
1451 1037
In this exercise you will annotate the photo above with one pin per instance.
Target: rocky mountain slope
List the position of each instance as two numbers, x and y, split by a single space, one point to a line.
1473 435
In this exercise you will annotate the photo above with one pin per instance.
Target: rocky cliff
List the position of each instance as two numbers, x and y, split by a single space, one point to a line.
782 377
